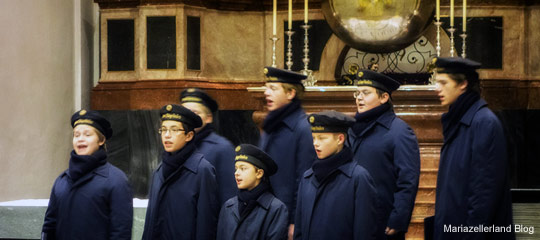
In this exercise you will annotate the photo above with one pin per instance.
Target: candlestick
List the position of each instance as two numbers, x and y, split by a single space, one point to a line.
274 17
438 23
451 13
451 30
289 49
310 80
290 15
274 40
306 46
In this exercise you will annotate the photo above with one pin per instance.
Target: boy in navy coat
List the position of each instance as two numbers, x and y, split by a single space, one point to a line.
336 197
215 148
287 135
255 214
387 147
182 202
473 187
92 199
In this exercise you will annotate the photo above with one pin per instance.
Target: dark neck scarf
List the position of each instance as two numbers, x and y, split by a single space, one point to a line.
202 134
275 118
247 200
450 120
80 165
322 168
364 119
173 161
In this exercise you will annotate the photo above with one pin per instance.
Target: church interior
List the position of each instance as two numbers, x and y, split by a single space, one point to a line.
128 58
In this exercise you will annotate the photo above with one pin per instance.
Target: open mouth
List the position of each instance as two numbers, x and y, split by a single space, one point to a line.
82 147
168 144
269 102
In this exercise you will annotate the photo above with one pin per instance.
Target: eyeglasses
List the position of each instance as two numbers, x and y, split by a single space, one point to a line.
362 93
173 131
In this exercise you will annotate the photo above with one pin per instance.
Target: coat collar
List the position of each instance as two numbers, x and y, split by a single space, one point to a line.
234 207
191 164
193 161
469 115
467 118
102 170
292 119
211 138
384 120
265 200
347 170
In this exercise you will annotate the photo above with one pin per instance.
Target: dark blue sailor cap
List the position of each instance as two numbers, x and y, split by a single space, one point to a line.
256 156
94 119
180 114
330 121
376 80
283 76
455 65
198 96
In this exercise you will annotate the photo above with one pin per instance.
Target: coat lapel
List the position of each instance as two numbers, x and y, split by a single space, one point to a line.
465 120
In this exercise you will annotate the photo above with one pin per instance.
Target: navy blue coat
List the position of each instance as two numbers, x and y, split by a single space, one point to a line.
97 206
220 153
341 207
268 220
183 206
473 183
388 149
291 147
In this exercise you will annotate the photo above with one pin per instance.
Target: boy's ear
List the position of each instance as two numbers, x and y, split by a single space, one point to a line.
259 174
190 135
341 138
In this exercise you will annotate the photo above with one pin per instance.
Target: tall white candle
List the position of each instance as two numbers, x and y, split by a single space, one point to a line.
438 10
451 13
306 11
290 14
464 15
274 17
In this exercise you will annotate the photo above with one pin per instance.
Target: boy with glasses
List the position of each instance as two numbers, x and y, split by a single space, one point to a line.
182 202
387 147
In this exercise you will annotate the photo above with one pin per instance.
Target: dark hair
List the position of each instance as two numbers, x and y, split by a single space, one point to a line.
471 78
381 92
187 128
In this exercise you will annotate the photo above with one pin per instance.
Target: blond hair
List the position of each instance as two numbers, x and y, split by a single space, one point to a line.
299 89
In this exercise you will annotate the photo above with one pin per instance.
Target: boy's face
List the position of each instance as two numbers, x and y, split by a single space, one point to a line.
367 98
276 96
201 110
86 140
327 144
173 136
448 89
246 175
